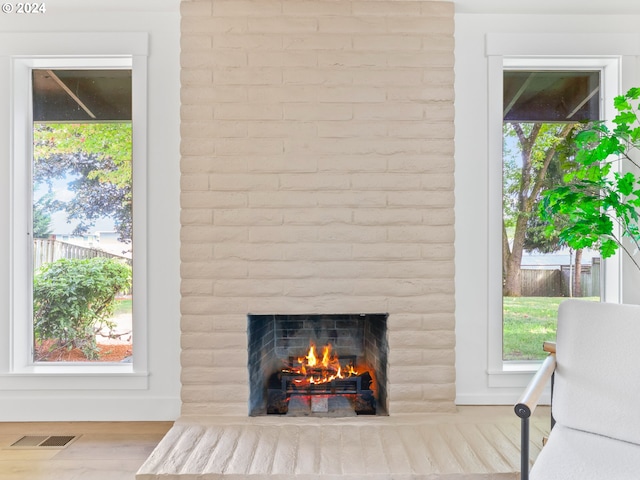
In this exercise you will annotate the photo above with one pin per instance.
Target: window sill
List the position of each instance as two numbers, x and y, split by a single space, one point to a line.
75 377
513 374
519 367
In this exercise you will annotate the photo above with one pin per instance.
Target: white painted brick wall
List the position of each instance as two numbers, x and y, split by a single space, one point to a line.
317 177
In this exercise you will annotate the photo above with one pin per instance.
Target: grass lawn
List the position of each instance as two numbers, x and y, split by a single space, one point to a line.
122 306
529 321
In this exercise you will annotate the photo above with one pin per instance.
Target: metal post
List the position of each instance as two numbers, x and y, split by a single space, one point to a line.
553 381
524 448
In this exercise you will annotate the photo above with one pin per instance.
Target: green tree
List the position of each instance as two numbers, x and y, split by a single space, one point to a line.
104 140
42 217
539 237
536 239
523 180
98 158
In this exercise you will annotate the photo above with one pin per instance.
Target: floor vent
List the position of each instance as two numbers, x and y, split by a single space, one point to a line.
44 441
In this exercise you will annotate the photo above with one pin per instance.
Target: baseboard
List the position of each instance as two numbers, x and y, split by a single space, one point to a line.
88 409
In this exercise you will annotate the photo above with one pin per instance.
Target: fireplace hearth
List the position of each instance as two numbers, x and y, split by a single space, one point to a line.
317 365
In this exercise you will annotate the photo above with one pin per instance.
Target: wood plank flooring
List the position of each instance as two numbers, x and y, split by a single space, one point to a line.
102 451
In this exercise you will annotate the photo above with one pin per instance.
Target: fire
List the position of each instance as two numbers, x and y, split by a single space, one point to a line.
319 369
312 360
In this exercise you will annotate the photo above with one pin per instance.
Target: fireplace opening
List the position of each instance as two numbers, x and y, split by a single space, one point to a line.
317 365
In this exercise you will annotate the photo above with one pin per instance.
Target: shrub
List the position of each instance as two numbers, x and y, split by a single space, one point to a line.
74 299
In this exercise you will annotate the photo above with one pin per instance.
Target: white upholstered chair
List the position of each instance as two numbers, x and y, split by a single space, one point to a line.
595 399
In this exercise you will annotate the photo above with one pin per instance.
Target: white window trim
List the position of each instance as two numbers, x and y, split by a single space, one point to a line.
67 50
608 54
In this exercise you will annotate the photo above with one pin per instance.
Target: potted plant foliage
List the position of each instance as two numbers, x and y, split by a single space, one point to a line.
597 204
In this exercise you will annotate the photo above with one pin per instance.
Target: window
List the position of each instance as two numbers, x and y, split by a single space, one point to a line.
78 120
542 109
482 376
81 171
539 98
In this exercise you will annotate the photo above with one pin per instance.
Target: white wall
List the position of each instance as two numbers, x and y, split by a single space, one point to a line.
547 7
472 164
160 400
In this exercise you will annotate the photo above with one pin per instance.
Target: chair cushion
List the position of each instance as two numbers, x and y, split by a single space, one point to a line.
572 454
597 382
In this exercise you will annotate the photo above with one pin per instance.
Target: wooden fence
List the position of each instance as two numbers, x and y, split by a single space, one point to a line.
47 250
555 281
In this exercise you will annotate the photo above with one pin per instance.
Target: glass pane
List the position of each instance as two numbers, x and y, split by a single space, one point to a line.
551 96
81 95
541 111
82 223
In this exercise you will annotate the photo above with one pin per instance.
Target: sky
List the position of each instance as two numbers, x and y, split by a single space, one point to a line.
59 223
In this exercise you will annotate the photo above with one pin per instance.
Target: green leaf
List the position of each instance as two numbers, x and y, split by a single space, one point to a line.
633 93
608 248
626 183
625 118
620 103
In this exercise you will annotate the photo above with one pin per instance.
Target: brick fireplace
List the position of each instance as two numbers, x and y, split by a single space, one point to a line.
317 178
317 195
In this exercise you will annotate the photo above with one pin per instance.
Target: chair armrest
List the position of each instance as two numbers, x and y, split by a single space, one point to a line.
528 402
549 347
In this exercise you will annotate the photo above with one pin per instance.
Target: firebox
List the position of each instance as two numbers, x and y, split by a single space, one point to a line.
318 365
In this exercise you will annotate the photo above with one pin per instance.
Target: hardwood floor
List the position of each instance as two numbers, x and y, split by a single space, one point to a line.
101 450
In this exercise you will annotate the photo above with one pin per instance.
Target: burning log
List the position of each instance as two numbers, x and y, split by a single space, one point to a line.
321 375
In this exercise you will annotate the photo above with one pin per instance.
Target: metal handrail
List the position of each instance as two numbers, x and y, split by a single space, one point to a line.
528 402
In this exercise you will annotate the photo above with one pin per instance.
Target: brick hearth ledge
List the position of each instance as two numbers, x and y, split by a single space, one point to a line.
474 443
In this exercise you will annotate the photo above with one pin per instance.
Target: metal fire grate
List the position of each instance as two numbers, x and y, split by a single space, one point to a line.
284 385
44 441
337 386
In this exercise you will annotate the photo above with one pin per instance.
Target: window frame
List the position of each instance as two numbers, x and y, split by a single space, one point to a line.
530 52
78 51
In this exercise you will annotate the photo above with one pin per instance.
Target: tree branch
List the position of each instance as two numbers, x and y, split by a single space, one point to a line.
537 187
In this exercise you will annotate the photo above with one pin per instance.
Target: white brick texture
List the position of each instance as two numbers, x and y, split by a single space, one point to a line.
317 177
